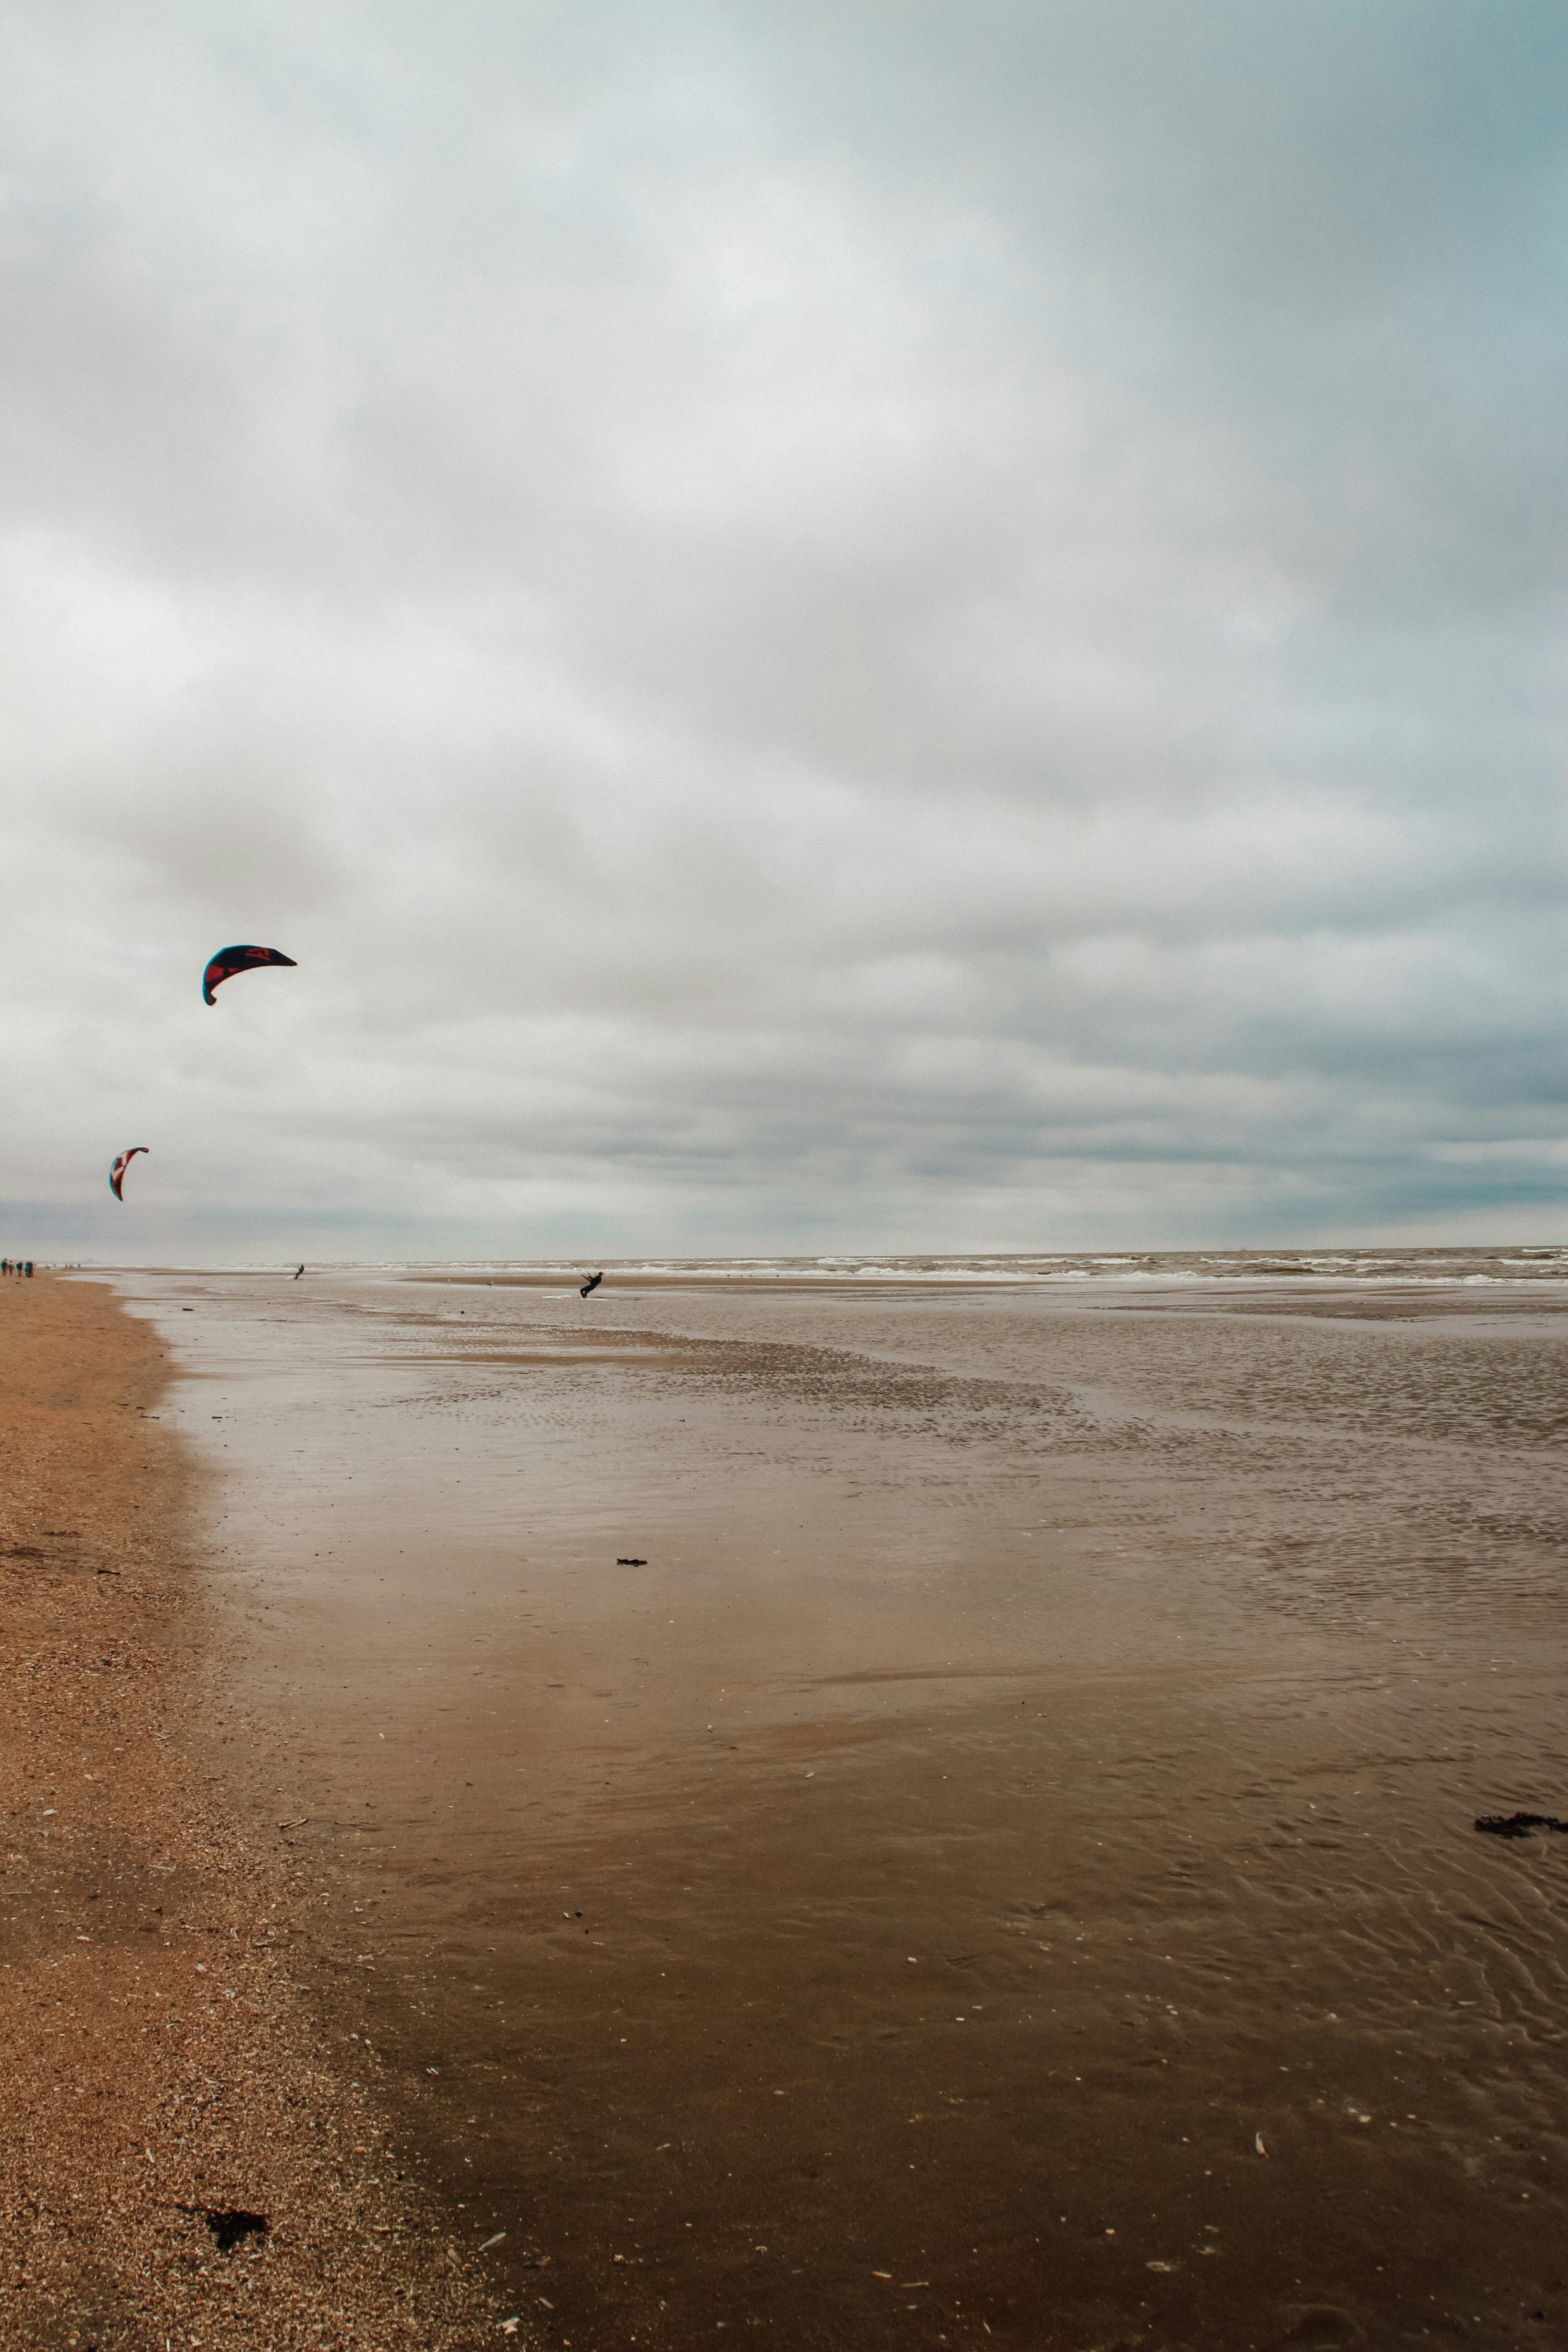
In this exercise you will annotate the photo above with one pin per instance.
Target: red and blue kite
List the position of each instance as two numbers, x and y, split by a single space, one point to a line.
117 1174
228 961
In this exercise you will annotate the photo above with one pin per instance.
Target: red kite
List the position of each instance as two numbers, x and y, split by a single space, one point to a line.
117 1174
228 961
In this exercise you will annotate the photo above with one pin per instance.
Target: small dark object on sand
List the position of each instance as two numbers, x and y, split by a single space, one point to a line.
230 2226
631 1563
1518 1825
592 1284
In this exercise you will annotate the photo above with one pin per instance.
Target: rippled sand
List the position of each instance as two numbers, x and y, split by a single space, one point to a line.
1001 1864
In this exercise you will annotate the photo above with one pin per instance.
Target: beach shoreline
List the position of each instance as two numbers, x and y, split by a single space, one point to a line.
849 1816
853 1815
162 2067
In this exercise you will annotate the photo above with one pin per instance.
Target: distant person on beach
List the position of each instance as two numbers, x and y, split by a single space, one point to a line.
592 1284
29 1269
298 1271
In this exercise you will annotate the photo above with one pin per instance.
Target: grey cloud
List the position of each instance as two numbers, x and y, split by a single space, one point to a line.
913 625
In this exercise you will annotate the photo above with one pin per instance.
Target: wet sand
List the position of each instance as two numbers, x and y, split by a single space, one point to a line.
160 2068
885 1817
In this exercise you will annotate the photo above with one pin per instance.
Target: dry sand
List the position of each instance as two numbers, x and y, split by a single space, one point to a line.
160 2066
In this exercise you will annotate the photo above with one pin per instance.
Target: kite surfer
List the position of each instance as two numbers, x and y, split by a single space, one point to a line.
592 1284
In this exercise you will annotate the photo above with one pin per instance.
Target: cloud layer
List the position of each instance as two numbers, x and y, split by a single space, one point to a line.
913 627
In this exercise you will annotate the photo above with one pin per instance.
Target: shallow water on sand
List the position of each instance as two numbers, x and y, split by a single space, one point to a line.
906 1813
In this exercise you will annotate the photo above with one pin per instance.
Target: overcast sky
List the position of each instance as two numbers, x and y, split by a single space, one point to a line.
822 625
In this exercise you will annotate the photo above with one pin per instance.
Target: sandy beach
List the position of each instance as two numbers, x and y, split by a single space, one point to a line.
184 2160
862 1811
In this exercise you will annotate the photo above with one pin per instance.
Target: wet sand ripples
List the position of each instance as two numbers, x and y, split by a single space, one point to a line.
1004 1870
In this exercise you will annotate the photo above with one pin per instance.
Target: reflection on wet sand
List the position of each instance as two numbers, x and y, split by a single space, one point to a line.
1004 1867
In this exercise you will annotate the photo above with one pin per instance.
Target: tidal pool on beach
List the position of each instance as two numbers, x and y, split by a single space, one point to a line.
898 1810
